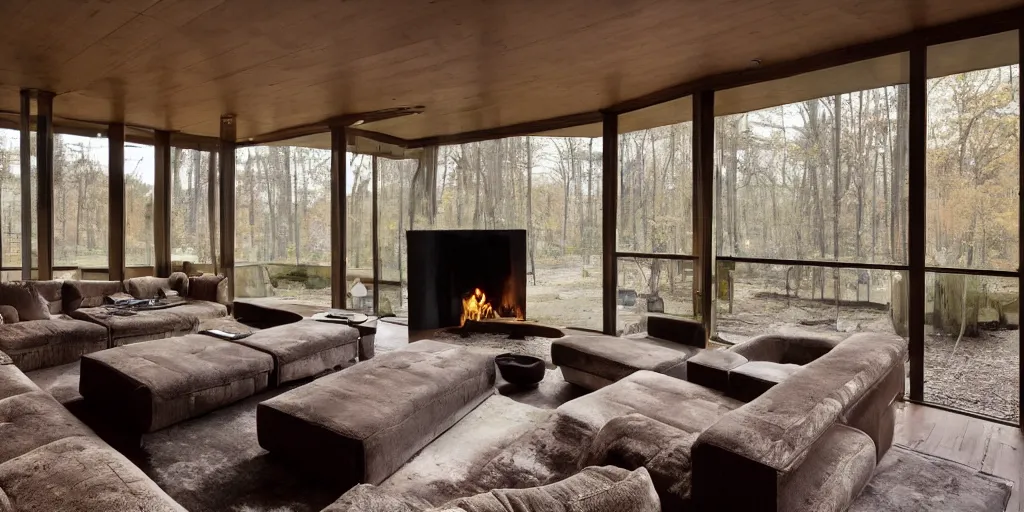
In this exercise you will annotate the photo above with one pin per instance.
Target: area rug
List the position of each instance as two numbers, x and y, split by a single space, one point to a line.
907 481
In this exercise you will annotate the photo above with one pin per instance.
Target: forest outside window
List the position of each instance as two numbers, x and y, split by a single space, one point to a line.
972 335
282 218
80 187
10 202
193 222
655 217
139 177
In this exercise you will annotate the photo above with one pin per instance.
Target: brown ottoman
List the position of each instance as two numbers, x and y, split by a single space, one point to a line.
361 424
305 348
154 384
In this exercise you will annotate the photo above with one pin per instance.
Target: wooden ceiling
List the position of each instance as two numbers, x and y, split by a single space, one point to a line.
179 64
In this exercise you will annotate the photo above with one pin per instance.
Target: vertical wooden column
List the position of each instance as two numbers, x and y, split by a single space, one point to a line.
703 207
227 201
609 214
26 184
916 197
162 203
339 279
44 184
376 240
115 230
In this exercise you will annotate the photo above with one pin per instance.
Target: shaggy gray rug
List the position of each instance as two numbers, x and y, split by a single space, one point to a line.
907 481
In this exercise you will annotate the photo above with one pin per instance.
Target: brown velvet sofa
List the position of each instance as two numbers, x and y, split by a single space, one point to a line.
78 325
811 442
50 461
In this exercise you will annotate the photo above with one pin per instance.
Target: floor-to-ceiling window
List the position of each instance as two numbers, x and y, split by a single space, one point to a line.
283 223
10 203
139 176
80 189
193 222
655 218
810 205
972 336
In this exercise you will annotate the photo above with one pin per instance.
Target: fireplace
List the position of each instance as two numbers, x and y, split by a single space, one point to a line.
461 275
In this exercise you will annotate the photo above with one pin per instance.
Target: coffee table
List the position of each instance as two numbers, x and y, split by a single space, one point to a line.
367 331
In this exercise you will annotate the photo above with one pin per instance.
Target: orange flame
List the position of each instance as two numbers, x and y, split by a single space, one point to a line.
476 307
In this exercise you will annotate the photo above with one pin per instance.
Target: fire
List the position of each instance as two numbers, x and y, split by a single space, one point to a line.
475 306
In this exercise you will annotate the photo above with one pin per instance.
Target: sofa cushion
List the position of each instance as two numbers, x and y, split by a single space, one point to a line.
361 424
140 325
44 343
81 474
25 298
678 403
595 489
88 294
149 287
161 382
30 420
634 441
612 358
8 315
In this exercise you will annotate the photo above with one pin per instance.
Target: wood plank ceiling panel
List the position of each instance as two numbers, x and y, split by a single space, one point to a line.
179 64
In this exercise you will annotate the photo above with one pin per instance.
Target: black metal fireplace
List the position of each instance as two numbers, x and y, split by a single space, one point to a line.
449 269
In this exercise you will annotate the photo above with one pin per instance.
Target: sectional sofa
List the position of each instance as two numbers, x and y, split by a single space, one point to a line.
49 323
809 442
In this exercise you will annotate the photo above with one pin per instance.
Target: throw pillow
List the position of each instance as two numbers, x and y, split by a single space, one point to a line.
5 359
24 297
204 287
8 315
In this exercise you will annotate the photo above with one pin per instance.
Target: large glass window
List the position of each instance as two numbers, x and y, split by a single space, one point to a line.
972 342
139 177
193 223
805 173
394 178
282 223
655 216
10 201
80 187
359 232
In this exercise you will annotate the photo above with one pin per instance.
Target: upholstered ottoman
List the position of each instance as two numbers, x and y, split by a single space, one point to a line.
305 348
593 362
154 384
361 424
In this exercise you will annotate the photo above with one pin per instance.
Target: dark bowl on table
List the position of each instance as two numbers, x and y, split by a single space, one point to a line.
519 369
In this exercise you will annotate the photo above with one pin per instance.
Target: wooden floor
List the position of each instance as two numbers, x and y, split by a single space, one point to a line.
991 447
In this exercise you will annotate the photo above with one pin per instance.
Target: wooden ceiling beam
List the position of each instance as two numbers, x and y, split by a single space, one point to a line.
342 121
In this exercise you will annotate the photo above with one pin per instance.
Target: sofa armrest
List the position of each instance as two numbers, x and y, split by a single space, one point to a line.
711 368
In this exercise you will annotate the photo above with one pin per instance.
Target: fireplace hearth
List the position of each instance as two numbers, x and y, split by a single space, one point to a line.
461 276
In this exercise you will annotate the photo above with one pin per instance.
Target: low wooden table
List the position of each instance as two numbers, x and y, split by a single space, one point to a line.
367 331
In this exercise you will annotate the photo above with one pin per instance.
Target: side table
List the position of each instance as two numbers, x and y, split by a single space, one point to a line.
367 332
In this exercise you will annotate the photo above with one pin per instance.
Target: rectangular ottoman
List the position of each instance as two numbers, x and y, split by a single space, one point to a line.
305 348
361 424
151 385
